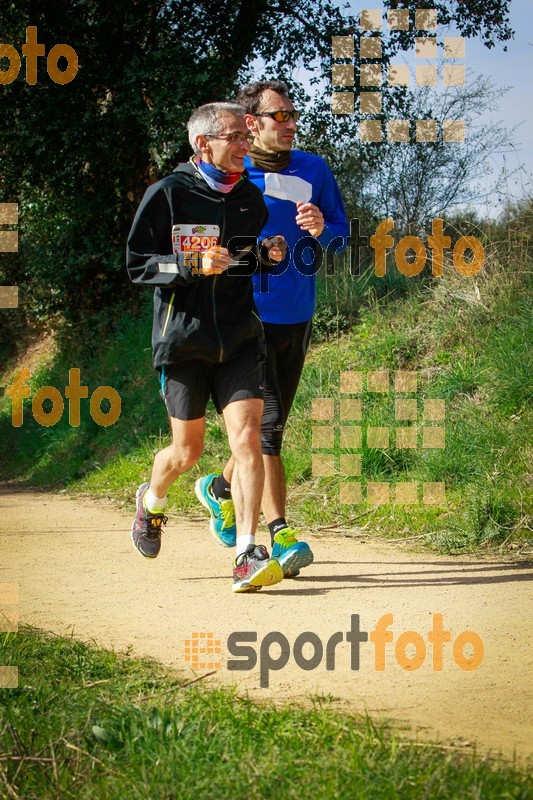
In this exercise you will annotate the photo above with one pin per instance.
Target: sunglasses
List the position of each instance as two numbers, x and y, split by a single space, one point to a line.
280 116
233 138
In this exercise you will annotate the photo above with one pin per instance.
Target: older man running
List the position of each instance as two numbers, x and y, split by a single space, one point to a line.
305 206
194 239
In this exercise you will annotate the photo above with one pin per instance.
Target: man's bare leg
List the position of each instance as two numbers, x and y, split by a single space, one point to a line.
227 472
243 425
186 448
253 567
169 463
275 489
292 554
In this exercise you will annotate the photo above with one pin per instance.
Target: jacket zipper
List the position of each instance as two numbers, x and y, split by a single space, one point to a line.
221 354
168 314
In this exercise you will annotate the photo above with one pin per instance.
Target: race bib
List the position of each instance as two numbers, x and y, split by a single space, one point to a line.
192 240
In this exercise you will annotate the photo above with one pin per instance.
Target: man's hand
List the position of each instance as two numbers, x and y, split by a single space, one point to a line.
215 260
310 218
276 248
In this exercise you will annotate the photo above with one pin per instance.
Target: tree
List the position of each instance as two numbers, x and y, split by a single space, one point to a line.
410 182
416 182
77 157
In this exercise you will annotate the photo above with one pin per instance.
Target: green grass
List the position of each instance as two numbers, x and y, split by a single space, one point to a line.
468 339
88 723
469 343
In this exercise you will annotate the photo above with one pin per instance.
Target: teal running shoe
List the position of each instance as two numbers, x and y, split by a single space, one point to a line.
222 512
291 554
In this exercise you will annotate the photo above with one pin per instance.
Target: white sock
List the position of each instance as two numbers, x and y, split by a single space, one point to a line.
243 542
154 504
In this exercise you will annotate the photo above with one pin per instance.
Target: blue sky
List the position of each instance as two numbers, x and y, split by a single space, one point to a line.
513 68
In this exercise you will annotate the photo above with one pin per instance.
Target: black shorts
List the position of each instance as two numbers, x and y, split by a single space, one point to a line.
286 349
187 386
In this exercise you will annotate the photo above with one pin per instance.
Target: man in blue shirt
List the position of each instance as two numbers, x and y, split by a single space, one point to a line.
305 206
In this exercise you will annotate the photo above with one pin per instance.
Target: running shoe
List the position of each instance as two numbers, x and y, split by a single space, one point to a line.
254 568
222 512
146 528
291 554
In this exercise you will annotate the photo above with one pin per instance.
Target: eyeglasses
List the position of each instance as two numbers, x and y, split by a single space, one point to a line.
280 116
232 138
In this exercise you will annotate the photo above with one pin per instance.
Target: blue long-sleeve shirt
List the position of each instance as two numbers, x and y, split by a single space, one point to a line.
287 294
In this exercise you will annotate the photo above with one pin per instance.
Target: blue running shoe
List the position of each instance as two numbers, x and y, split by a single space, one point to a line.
222 524
291 554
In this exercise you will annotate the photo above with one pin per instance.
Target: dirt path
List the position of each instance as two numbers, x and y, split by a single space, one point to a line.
77 571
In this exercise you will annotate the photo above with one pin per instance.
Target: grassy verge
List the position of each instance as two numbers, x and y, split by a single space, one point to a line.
88 723
466 338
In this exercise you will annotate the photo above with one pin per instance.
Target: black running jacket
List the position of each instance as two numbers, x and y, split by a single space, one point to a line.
195 315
